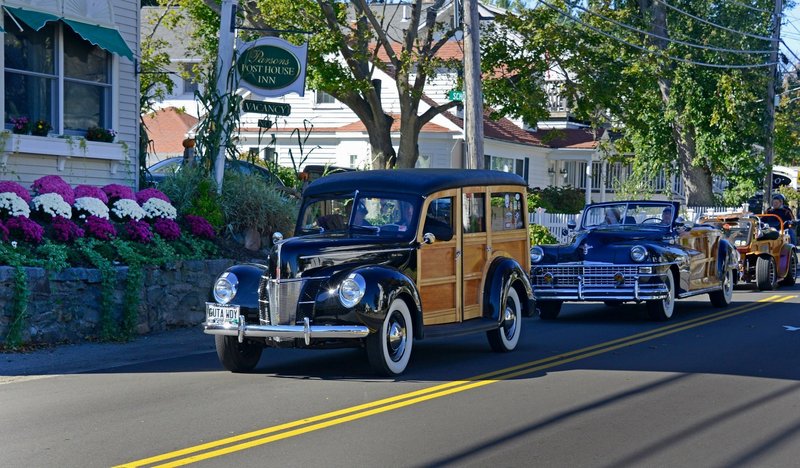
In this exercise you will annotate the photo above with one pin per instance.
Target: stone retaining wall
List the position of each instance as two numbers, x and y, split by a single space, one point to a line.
65 306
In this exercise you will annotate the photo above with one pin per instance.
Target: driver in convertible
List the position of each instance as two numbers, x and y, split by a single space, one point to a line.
360 215
666 216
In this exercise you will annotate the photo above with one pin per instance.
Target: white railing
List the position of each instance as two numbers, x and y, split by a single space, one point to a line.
694 213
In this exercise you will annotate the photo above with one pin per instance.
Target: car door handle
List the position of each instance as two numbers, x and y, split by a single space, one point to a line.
458 253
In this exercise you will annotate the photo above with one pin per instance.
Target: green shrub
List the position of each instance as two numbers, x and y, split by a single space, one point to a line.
540 235
556 199
248 202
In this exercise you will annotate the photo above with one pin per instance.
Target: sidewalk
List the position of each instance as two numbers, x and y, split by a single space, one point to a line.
76 358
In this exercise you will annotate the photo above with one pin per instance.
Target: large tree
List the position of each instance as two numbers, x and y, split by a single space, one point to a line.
676 115
347 41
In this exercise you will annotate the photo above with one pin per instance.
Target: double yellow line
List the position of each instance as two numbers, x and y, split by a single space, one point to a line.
302 426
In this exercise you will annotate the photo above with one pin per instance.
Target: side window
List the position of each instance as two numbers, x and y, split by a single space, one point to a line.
506 211
439 219
474 216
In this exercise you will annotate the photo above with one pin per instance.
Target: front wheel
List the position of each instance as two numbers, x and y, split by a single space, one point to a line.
389 348
662 309
791 275
235 356
505 338
766 276
724 296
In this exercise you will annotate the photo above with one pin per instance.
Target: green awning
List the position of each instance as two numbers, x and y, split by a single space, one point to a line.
34 19
107 38
104 37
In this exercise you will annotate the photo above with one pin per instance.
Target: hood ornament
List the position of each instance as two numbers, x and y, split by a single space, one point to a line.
585 248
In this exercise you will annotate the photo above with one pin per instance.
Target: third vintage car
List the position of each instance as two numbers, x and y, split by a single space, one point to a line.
766 254
381 259
634 251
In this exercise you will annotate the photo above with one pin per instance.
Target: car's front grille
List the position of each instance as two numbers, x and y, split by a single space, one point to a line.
279 299
592 275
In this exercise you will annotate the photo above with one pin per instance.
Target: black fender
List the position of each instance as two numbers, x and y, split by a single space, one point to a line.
383 285
249 276
725 258
503 272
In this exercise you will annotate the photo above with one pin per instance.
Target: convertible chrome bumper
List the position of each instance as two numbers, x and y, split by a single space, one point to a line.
305 331
599 282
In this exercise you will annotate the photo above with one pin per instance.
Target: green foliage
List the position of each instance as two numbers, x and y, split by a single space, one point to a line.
108 276
19 309
635 187
248 202
556 199
206 204
540 235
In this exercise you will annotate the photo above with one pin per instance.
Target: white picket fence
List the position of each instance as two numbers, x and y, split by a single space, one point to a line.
556 223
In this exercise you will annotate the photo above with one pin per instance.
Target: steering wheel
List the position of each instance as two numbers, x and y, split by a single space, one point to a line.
654 220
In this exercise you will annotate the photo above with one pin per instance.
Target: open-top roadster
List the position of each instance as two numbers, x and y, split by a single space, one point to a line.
634 251
766 255
381 259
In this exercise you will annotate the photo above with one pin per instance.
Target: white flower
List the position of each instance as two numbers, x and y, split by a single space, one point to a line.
14 204
93 206
14 244
52 204
157 208
128 209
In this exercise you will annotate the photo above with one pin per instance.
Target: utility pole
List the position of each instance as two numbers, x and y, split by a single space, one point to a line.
473 94
773 72
224 64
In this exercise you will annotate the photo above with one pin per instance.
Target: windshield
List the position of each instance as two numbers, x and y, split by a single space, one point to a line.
736 232
628 214
373 215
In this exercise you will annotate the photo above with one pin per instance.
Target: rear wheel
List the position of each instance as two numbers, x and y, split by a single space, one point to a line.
549 310
766 277
389 349
791 275
662 309
724 296
235 356
505 338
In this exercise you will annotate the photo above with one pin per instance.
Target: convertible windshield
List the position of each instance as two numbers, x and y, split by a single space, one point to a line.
623 214
736 232
364 215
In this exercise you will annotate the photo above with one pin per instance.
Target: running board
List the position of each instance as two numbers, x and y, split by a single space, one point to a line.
700 291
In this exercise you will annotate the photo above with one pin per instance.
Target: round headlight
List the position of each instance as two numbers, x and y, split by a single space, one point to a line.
638 253
537 254
352 290
225 287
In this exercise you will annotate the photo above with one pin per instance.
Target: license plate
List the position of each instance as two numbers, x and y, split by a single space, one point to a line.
222 314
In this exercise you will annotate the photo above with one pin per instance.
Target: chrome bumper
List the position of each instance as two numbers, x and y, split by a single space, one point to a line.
588 285
305 331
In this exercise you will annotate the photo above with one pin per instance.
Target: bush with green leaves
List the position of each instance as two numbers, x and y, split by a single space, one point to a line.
556 199
540 235
248 202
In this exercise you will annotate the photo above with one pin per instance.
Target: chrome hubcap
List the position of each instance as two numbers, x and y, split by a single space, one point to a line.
396 339
509 322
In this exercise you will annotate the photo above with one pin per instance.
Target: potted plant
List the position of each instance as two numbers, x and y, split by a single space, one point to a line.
100 134
20 124
41 128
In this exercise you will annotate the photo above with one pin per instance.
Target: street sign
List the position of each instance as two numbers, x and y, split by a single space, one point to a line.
264 123
271 67
268 108
455 95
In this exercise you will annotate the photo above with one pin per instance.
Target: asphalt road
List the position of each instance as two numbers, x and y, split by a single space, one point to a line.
599 387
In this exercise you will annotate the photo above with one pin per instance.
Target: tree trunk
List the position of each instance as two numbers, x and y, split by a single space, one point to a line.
409 140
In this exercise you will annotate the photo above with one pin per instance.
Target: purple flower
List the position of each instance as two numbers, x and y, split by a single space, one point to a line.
118 192
54 184
25 229
139 231
3 232
200 227
13 187
167 228
148 193
100 228
65 230
91 191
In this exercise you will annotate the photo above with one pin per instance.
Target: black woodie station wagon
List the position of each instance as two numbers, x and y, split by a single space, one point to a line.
381 259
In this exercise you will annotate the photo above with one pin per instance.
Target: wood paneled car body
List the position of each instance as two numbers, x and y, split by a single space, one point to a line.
766 255
381 259
634 251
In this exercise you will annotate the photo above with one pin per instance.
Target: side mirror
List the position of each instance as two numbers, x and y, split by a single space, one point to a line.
428 238
571 225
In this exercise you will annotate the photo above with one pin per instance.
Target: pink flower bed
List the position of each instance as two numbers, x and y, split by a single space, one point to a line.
13 187
54 184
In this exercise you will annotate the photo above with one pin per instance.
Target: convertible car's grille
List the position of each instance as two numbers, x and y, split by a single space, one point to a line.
283 302
593 275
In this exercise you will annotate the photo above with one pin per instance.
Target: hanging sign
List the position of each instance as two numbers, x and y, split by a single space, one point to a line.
268 108
272 67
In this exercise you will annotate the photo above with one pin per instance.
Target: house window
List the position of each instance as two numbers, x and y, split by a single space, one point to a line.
353 160
512 165
190 79
324 98
36 68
